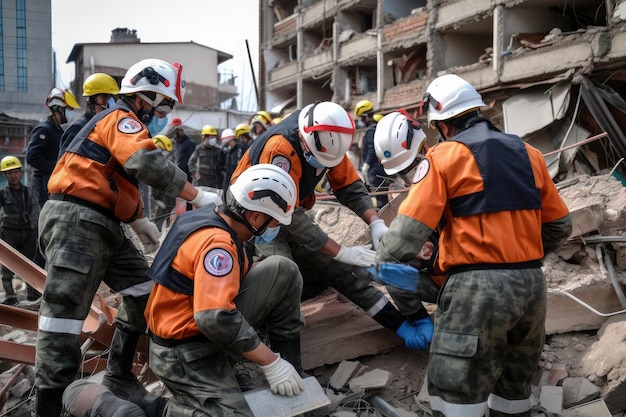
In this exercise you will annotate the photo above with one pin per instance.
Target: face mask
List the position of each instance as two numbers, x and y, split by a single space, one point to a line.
156 125
310 159
360 124
268 235
212 142
110 102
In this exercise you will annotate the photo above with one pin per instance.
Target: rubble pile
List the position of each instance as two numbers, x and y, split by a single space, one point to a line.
582 371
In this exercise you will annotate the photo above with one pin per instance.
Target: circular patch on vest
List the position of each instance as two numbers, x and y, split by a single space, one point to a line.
42 136
218 262
282 162
421 171
129 125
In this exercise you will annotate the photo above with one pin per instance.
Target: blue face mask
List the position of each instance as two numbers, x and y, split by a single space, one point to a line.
110 102
156 125
268 235
310 159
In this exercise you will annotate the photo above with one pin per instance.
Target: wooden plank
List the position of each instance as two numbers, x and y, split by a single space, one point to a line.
336 331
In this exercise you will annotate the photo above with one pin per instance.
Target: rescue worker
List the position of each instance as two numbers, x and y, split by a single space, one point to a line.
242 133
184 146
502 213
18 226
99 89
260 122
93 189
232 151
208 299
372 170
309 144
204 160
45 139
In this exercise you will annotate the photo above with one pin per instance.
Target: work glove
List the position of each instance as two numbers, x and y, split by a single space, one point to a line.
356 255
204 198
283 377
378 230
417 336
399 275
148 233
161 204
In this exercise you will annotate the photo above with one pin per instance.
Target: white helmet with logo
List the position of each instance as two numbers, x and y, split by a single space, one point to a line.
327 130
268 189
397 141
155 80
450 96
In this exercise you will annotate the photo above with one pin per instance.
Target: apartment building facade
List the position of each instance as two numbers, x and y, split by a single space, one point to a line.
548 71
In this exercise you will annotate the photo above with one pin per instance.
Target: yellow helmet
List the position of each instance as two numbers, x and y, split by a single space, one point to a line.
208 130
100 83
362 107
9 162
377 117
163 142
241 129
276 120
262 117
61 98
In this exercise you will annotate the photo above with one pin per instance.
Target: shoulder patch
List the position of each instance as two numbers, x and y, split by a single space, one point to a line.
218 262
421 171
129 125
282 162
42 136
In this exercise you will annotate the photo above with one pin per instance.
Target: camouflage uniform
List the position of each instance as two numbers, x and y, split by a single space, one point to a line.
205 160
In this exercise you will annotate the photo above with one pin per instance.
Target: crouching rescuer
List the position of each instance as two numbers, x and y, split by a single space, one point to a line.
209 299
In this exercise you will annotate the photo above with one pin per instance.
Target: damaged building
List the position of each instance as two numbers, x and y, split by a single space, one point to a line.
549 71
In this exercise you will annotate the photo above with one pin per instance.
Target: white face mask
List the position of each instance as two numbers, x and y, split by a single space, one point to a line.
212 141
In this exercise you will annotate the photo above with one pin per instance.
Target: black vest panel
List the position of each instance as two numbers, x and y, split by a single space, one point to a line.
504 164
161 270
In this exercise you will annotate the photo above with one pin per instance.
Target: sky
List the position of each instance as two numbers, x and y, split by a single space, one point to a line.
221 25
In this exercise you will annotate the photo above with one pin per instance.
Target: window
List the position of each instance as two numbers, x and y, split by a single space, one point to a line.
22 78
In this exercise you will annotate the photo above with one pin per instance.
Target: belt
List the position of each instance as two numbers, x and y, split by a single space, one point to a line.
176 342
85 203
477 267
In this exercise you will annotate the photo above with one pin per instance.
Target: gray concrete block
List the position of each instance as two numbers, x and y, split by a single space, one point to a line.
264 403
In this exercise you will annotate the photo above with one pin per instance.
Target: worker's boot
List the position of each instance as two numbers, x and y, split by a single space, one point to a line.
290 351
87 399
119 376
48 402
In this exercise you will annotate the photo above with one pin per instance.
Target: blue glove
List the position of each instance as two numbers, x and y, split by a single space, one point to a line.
417 336
402 276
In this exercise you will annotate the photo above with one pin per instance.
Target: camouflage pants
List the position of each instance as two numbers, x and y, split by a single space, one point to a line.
82 248
489 334
200 375
320 271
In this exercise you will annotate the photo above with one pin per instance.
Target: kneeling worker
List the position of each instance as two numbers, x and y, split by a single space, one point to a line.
209 298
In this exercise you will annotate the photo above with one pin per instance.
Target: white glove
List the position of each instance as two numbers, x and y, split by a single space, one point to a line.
364 170
148 233
283 377
356 255
378 230
204 198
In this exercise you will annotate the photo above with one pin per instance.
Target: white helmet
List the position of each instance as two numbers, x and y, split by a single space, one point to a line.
328 130
162 79
268 189
397 140
227 134
449 96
